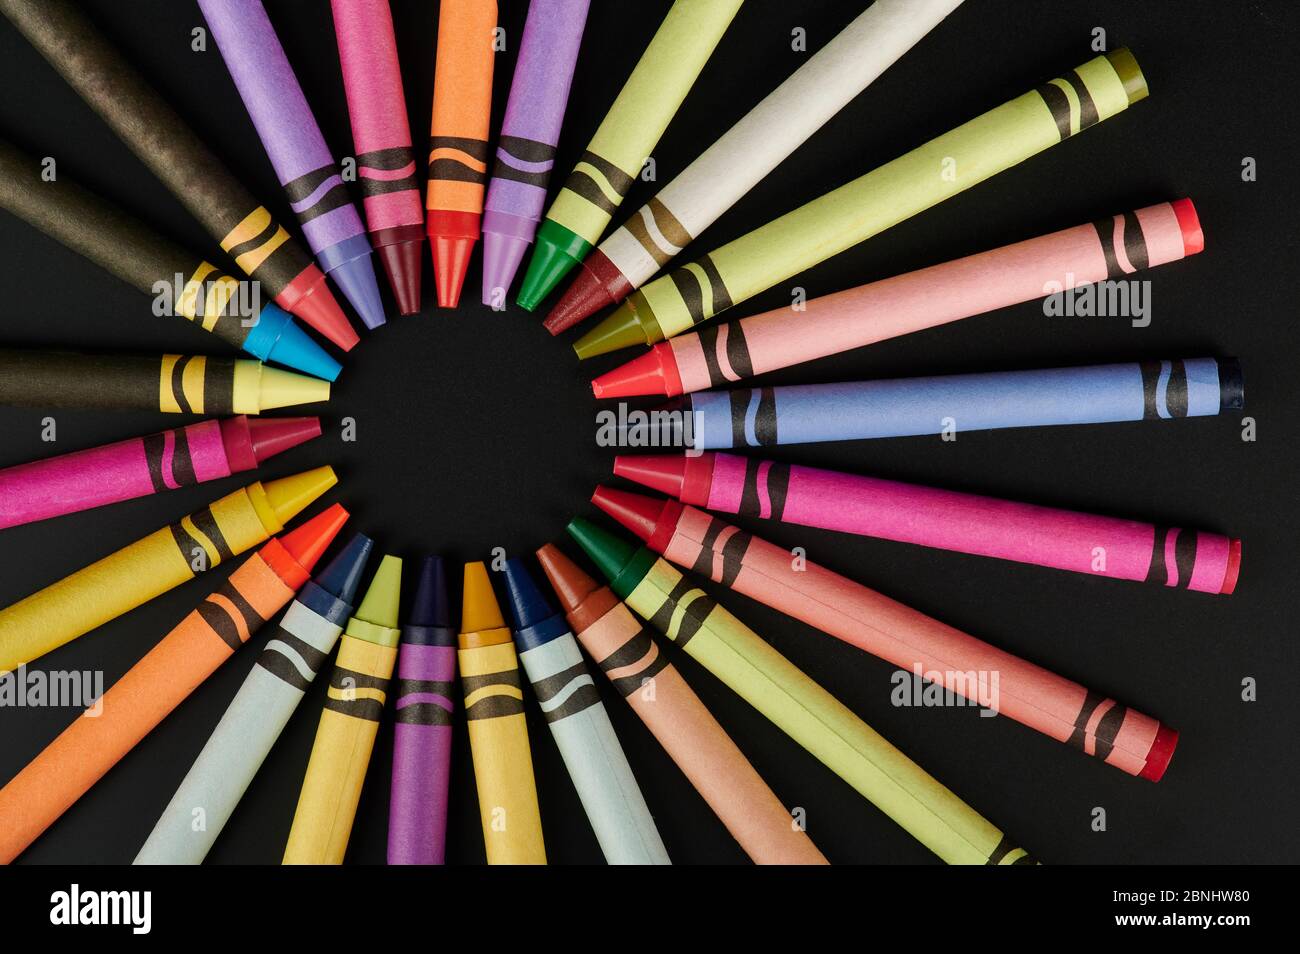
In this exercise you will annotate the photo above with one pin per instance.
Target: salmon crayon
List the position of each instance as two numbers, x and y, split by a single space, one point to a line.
340 755
381 135
240 743
458 138
968 155
627 654
166 558
149 691
140 466
624 140
1082 719
1076 261
161 140
498 732
745 154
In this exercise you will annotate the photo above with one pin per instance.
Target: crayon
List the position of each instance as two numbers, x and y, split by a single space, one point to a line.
240 743
158 136
381 135
904 407
745 154
458 138
349 723
525 155
796 704
140 466
426 679
628 656
580 726
292 139
624 140
170 383
161 561
128 249
944 519
1094 259
971 153
498 733
70 765
1088 721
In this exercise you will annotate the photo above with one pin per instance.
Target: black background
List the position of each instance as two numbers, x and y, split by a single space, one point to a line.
475 429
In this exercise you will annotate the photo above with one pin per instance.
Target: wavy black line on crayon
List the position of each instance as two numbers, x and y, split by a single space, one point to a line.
566 692
1070 103
167 455
494 694
1123 243
1108 726
600 182
658 231
356 694
316 193
458 159
735 542
1179 573
254 240
641 648
424 701
291 659
765 488
1003 848
725 342
524 160
229 615
691 282
695 605
199 531
1164 389
386 170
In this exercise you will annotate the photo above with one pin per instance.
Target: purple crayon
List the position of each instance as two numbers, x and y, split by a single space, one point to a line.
426 674
297 150
539 92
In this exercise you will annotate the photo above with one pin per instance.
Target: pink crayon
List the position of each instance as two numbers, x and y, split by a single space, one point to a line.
82 480
1088 721
386 169
944 519
1111 248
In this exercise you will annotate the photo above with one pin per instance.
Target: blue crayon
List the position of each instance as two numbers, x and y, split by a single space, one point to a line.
292 657
580 725
426 686
904 407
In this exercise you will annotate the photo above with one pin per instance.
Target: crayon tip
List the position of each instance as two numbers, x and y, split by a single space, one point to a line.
648 374
276 337
622 329
379 605
403 267
279 388
635 512
342 575
450 263
479 608
316 305
610 553
557 251
1162 750
290 496
431 606
528 605
356 279
571 584
275 435
662 472
1189 223
598 284
502 255
309 542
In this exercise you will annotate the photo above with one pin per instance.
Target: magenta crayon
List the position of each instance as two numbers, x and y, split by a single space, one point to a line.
381 135
525 157
194 454
1088 721
944 519
1107 250
293 141
426 686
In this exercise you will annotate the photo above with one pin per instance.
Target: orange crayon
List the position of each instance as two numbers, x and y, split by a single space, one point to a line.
53 781
458 138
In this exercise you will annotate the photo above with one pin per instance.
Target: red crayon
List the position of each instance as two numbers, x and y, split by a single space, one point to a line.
82 480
